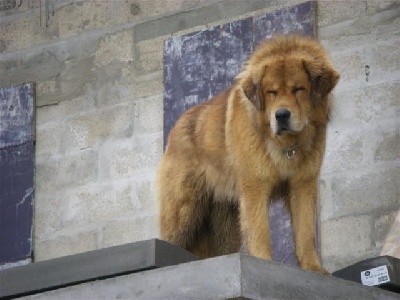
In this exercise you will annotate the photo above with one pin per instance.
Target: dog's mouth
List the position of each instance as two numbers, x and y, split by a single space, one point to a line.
284 128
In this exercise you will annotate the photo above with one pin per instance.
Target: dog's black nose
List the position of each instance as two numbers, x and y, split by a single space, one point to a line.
282 114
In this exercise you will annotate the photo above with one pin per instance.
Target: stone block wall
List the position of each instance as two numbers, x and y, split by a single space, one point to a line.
99 68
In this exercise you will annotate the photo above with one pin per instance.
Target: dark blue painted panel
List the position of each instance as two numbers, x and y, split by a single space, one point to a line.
16 114
202 64
299 19
16 172
199 65
16 200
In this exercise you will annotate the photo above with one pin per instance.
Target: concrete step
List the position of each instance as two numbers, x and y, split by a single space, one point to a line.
235 276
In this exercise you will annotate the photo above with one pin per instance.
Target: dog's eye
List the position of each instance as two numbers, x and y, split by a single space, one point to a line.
297 89
272 93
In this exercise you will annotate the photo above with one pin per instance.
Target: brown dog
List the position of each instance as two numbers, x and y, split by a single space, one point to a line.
261 138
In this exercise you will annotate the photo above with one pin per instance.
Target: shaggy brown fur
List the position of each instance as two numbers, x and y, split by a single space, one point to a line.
230 155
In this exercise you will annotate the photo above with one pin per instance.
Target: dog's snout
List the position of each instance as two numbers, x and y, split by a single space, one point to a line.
282 114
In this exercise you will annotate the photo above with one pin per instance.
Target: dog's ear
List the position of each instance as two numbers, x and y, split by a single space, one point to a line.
322 75
252 92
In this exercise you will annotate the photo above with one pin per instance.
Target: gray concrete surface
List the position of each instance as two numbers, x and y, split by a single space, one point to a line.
89 266
235 276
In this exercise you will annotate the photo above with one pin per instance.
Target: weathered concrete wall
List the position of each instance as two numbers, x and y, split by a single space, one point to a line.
98 68
360 182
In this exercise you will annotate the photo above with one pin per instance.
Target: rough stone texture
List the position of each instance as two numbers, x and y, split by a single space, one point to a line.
392 244
98 69
360 176
334 239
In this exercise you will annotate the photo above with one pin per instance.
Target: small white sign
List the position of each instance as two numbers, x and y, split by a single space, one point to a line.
375 276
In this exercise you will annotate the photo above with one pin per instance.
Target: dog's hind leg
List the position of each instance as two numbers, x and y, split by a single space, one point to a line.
183 205
220 232
224 228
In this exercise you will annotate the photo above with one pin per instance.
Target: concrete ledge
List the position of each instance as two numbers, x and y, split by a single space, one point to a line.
235 276
89 266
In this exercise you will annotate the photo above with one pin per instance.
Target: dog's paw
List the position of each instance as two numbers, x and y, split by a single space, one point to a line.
315 268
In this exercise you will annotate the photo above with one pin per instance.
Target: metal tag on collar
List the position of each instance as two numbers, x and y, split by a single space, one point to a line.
290 153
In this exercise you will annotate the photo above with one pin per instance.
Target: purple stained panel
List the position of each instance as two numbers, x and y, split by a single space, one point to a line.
299 19
16 198
16 114
200 65
16 172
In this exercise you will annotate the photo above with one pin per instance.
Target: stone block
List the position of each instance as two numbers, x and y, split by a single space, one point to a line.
14 8
46 177
122 231
349 236
27 28
149 55
113 91
326 204
386 145
81 16
148 85
152 8
96 203
57 113
146 200
382 59
381 5
391 244
47 215
48 140
332 12
366 106
351 66
36 64
55 173
359 31
334 263
363 192
115 47
78 168
177 22
48 90
385 18
65 244
75 77
94 15
93 127
344 150
130 158
383 224
149 115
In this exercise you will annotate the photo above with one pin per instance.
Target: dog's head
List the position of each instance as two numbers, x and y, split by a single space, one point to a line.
287 79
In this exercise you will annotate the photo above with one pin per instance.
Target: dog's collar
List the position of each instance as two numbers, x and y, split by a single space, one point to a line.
290 152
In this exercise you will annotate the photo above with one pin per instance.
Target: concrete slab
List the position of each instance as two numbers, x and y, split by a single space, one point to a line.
90 266
235 276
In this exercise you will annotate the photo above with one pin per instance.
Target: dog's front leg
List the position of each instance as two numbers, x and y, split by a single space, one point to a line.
254 221
302 205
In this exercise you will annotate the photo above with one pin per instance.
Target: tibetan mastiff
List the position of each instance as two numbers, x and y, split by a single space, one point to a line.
262 138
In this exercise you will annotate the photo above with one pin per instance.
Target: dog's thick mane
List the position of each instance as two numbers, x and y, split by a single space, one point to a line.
286 45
